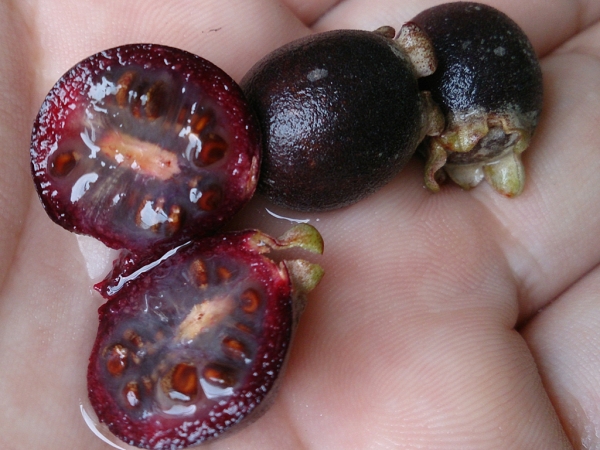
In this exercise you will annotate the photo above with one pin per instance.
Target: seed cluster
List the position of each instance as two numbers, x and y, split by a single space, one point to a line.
195 344
214 323
134 147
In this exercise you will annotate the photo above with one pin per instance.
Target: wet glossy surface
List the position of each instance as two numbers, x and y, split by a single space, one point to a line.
340 113
484 60
144 146
191 346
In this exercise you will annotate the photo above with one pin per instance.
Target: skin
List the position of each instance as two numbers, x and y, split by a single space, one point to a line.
444 321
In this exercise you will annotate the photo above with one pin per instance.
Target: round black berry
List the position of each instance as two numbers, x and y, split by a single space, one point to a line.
489 86
341 114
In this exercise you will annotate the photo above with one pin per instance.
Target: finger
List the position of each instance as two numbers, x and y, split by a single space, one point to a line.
48 324
411 333
564 341
15 126
229 37
549 233
563 337
309 11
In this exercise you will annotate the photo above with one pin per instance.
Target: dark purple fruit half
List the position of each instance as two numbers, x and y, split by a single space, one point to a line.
489 86
144 146
341 114
193 346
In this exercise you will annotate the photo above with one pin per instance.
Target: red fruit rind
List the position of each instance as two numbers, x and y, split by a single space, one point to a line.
144 146
177 362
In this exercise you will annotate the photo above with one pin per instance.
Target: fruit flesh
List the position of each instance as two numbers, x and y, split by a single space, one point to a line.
192 346
489 87
144 146
147 148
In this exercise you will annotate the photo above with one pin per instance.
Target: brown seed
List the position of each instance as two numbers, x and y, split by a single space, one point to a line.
198 122
132 394
250 301
135 101
219 375
210 199
136 108
198 273
184 380
124 83
234 348
63 164
157 100
213 150
244 328
223 273
116 359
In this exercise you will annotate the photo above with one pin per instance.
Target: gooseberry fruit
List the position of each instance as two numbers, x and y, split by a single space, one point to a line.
341 114
489 86
191 347
144 146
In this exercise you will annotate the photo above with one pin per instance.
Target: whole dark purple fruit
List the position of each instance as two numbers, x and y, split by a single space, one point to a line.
144 146
341 114
193 347
489 87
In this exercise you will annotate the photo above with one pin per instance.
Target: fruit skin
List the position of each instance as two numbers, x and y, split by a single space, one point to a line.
489 86
341 114
216 309
115 148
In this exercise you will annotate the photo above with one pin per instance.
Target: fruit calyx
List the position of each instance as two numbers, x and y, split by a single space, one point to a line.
415 45
489 86
304 275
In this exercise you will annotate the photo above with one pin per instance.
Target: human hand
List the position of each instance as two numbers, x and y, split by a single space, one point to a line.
455 320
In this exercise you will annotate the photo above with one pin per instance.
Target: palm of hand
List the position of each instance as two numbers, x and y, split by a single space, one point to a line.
456 320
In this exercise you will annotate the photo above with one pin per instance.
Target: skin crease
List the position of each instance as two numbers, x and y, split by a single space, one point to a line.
461 320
